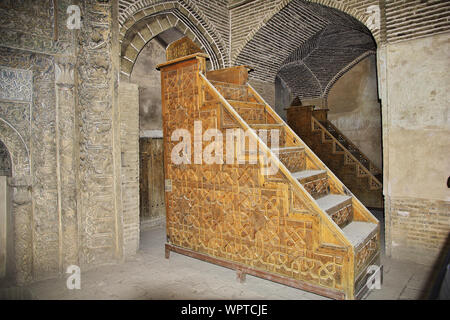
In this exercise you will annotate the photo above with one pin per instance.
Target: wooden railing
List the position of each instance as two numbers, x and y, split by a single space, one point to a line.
349 158
297 186
371 166
361 213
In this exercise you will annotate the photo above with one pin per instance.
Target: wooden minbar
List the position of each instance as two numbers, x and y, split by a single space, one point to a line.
238 215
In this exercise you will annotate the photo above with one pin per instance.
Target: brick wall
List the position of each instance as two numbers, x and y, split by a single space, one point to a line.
216 11
265 89
252 41
306 44
207 21
419 229
245 18
415 18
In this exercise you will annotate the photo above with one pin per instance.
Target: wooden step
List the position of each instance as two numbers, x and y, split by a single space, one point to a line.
246 104
267 126
358 232
265 131
288 149
231 91
292 157
339 207
314 181
251 112
235 74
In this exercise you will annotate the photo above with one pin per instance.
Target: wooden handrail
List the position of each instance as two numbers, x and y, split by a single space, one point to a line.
378 171
348 153
298 187
315 159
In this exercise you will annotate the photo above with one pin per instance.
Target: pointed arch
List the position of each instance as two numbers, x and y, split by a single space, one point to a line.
147 23
363 12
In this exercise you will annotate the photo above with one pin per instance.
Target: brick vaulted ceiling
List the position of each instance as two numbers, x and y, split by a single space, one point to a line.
309 46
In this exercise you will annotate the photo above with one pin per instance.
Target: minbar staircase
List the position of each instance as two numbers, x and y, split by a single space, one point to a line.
301 226
345 159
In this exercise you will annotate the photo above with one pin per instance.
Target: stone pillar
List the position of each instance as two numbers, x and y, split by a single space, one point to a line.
22 209
100 200
67 170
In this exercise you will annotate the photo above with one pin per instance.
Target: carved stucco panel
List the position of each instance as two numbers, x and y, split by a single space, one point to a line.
33 131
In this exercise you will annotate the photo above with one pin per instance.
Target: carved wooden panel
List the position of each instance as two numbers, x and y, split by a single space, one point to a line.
151 179
365 254
234 92
318 187
251 114
180 48
236 75
293 159
343 216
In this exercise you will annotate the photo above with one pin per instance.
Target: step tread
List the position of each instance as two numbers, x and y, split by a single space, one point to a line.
231 101
221 83
357 232
307 173
331 200
267 125
288 148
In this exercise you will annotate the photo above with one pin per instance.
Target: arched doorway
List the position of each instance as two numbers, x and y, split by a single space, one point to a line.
144 40
324 57
151 168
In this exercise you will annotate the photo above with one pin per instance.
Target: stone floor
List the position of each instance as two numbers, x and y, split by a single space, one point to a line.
148 275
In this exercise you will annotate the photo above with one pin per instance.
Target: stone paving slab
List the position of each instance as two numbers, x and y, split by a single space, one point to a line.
148 276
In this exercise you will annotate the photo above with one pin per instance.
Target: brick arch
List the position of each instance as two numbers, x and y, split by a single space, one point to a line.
326 89
304 77
309 44
150 21
359 13
129 8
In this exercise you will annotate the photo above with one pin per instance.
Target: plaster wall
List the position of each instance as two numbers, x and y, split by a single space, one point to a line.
148 79
416 129
418 74
355 109
283 97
